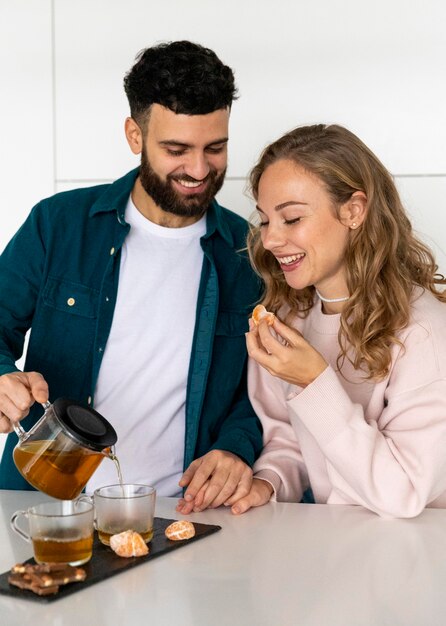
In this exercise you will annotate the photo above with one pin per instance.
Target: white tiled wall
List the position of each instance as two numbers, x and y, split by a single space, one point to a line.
26 110
378 68
425 199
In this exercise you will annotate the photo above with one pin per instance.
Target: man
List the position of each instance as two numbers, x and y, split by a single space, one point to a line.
138 294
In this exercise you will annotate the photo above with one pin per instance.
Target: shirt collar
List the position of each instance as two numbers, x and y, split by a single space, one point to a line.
116 195
215 223
115 198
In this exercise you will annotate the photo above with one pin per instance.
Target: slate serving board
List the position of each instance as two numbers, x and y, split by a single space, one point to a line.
105 563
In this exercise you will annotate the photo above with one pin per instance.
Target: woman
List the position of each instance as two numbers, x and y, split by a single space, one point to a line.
350 381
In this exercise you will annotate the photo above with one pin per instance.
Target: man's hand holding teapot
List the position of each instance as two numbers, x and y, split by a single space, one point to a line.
18 392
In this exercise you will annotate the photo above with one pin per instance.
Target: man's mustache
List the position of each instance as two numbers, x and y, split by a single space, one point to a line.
190 179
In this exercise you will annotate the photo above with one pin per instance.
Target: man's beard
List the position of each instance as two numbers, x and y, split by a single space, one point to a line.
168 199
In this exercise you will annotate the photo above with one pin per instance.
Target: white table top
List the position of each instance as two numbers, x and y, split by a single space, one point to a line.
278 565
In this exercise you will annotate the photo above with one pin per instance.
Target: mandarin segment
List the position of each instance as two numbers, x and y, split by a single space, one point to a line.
179 531
128 543
259 313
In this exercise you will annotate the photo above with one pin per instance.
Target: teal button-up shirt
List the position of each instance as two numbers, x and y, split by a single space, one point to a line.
59 277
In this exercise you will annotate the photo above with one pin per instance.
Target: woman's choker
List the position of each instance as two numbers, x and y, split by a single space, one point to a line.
330 300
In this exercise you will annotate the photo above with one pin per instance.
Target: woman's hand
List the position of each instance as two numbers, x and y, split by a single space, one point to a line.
260 493
293 360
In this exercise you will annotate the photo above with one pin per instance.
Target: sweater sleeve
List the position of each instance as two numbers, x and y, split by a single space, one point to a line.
281 462
393 463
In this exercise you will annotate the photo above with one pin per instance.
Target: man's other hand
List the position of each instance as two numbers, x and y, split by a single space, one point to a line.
217 478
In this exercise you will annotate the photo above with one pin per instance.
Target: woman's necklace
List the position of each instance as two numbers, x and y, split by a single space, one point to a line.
329 300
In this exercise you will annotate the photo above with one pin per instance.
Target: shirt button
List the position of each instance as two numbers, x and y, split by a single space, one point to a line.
107 299
89 400
112 251
71 301
100 350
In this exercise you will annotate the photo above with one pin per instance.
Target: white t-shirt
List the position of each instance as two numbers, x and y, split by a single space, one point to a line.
141 388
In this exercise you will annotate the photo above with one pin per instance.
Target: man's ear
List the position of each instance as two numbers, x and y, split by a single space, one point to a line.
353 212
133 135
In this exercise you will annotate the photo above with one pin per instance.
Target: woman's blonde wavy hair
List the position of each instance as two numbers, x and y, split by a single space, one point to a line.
384 259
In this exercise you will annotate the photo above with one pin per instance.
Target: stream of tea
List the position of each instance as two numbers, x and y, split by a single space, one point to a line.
114 458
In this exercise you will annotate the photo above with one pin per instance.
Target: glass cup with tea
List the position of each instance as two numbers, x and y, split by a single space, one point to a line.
124 507
60 531
59 454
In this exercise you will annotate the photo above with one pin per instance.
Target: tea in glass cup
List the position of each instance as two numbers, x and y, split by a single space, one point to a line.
61 532
124 507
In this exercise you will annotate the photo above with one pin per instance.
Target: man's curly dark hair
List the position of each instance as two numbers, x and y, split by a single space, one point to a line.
181 76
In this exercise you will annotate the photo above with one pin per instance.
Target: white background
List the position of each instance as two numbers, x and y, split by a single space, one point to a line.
378 68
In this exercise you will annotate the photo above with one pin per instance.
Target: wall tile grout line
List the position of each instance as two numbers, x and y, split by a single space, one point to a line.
436 175
228 178
108 180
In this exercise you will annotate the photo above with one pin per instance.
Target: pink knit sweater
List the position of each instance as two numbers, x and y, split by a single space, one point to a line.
382 445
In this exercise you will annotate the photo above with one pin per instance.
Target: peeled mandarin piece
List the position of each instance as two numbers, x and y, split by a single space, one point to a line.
128 543
260 313
140 547
178 531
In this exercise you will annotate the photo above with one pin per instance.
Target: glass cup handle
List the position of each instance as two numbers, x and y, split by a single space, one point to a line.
15 526
90 500
84 498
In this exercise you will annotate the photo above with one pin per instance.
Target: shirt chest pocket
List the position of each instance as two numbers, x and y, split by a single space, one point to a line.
71 298
228 355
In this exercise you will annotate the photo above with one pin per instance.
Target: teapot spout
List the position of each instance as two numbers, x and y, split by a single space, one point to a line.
109 452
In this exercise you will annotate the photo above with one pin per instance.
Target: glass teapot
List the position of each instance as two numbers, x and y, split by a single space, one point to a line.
63 449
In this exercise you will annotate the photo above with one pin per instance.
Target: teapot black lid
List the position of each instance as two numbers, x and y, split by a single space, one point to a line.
85 424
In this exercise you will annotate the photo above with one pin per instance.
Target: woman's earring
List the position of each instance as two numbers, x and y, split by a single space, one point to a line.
354 224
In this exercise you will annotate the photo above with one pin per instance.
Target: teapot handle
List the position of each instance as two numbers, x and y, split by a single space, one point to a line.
21 434
19 430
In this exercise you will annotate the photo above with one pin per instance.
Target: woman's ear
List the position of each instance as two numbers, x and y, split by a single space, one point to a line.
352 213
134 135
